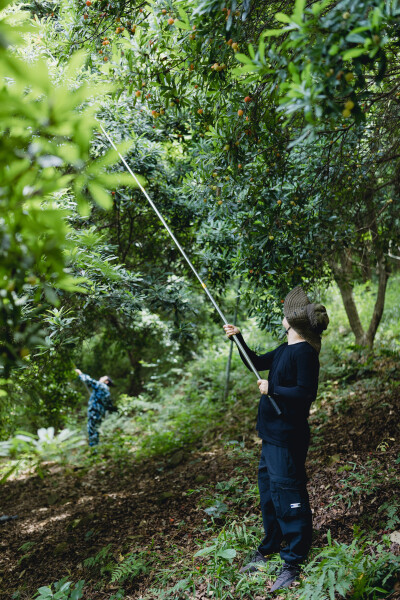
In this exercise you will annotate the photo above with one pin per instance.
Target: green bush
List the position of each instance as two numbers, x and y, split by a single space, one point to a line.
47 446
63 590
359 570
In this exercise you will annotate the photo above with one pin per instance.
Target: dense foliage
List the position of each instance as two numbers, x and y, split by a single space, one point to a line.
293 168
267 133
275 160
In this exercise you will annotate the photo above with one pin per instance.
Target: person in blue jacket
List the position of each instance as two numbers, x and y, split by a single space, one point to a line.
292 382
99 402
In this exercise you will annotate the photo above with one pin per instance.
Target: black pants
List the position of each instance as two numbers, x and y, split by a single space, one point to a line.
285 504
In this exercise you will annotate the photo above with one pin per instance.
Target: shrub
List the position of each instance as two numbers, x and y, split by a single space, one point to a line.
46 446
359 570
62 591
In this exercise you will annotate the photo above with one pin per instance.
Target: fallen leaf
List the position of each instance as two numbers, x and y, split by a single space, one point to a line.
395 537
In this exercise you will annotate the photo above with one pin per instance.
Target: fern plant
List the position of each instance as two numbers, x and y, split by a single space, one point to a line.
356 571
100 562
132 566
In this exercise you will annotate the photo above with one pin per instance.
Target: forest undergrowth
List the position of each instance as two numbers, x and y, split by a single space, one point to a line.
275 160
177 520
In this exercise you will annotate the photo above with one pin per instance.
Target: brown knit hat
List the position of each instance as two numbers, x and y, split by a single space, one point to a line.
308 319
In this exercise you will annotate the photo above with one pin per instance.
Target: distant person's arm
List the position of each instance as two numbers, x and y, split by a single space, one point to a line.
86 379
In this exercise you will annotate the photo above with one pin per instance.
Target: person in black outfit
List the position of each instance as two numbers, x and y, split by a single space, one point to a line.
292 383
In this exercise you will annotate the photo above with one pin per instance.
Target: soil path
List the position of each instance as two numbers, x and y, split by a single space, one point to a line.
67 518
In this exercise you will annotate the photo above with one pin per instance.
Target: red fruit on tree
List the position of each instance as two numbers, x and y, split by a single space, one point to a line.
247 99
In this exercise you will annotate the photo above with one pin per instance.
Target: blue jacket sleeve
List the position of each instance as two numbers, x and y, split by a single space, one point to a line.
307 370
262 362
89 381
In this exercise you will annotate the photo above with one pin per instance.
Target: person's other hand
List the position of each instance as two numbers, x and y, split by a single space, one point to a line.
263 386
231 330
78 371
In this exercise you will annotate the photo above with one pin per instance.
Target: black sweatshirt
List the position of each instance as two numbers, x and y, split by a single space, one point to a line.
293 384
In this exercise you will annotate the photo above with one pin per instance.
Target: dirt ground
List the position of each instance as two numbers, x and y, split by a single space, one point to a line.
68 517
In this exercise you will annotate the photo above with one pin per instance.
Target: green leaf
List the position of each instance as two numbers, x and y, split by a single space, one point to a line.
317 8
120 179
294 72
359 29
70 284
376 17
355 38
282 18
299 10
75 64
273 32
45 592
243 58
353 53
205 551
228 553
111 157
100 196
181 25
76 594
183 15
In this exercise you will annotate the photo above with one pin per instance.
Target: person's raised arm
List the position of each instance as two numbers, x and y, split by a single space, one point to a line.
87 379
262 362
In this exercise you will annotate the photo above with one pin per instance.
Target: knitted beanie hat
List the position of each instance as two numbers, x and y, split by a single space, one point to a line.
308 319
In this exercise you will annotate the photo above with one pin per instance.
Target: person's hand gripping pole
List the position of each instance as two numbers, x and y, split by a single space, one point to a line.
233 331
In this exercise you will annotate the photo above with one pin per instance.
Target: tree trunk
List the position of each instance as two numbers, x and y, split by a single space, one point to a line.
342 272
383 276
135 382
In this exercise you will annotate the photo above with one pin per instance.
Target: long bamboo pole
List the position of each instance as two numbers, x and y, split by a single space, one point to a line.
228 364
217 308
